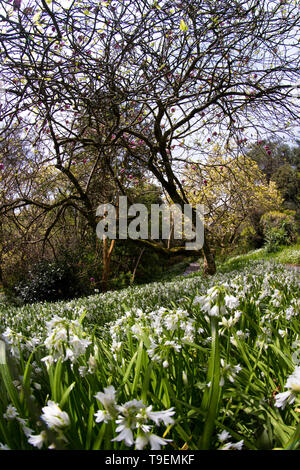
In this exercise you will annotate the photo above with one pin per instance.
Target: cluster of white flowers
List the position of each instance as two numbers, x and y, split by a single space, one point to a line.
293 310
14 340
160 315
12 413
211 302
224 436
261 280
217 302
228 372
240 335
133 417
289 397
163 330
56 420
227 323
91 366
66 340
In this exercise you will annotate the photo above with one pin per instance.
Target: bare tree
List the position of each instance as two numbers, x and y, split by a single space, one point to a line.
144 78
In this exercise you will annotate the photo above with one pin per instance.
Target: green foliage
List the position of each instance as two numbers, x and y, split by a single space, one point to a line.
248 239
48 281
275 237
281 164
241 261
279 228
290 255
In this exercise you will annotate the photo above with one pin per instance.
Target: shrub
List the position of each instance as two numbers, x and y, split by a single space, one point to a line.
279 228
48 281
274 238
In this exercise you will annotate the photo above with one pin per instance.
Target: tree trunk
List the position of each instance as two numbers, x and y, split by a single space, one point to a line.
209 265
171 235
107 252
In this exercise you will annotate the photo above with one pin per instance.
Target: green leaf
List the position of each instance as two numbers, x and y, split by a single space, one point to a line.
99 439
138 366
183 26
90 427
56 385
129 367
213 376
66 395
6 377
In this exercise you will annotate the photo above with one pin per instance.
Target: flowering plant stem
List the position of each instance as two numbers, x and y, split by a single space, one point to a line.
213 377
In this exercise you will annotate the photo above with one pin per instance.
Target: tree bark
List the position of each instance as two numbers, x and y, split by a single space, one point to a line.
107 252
209 265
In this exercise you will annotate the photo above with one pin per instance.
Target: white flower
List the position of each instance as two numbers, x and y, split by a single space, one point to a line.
79 345
293 383
230 445
129 411
237 315
238 445
11 412
223 436
4 446
172 343
290 312
227 323
161 416
282 333
27 431
141 442
38 440
155 441
133 416
231 301
213 293
125 435
137 330
69 355
108 398
83 371
48 360
8 335
284 398
102 416
204 302
199 299
54 417
215 311
92 363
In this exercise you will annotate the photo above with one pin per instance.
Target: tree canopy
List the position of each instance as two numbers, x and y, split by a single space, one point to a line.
232 192
137 81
